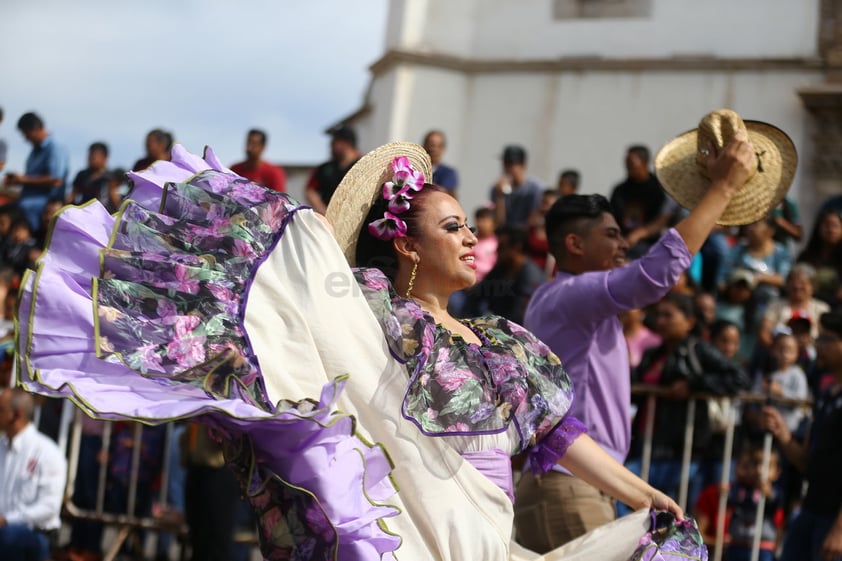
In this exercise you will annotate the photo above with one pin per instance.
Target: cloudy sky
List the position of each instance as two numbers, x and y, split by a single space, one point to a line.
208 70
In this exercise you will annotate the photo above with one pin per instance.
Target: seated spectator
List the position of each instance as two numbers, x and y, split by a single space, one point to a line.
768 260
725 337
568 182
116 190
515 195
788 228
824 253
325 178
255 169
736 304
16 247
798 301
539 249
443 175
639 203
33 473
158 147
507 288
92 182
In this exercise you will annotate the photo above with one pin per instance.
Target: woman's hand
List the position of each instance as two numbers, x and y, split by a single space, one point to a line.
661 501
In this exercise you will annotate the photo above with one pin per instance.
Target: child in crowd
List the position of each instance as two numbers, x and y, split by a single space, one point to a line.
744 500
16 247
786 380
736 305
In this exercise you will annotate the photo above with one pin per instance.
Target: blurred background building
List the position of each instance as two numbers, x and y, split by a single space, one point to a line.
577 81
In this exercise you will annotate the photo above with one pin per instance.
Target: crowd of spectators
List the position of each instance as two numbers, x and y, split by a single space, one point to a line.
744 316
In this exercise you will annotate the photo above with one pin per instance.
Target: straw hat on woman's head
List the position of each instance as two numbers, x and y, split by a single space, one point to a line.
681 165
358 190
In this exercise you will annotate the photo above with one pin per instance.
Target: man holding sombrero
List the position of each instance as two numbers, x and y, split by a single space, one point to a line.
728 172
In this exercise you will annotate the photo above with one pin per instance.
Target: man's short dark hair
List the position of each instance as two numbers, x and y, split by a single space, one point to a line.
570 175
516 236
344 133
514 154
162 136
570 214
832 321
261 134
99 147
29 122
438 132
1 113
640 151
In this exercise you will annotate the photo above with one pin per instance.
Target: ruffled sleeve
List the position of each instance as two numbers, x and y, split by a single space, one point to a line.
544 455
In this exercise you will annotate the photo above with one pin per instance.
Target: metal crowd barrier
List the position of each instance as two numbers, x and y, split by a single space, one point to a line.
736 401
126 523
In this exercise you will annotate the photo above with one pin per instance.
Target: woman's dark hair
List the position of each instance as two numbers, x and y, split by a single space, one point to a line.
813 250
720 325
682 302
380 254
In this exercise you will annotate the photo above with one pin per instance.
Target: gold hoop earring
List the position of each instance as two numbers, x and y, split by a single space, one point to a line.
411 280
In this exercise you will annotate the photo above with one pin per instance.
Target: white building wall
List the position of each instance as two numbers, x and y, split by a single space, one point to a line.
527 29
585 119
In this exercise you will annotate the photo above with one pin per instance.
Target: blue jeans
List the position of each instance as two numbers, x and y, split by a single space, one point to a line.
739 553
805 537
20 543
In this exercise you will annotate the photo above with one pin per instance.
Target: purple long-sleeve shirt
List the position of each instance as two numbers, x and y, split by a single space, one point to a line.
576 316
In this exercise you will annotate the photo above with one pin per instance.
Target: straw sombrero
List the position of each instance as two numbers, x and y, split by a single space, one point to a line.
680 166
362 184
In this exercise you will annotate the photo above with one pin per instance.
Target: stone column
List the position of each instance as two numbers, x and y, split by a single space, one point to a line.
824 102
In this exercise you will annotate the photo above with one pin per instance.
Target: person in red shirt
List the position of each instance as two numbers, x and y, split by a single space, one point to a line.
257 170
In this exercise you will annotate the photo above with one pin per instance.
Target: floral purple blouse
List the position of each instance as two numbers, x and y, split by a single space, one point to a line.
511 381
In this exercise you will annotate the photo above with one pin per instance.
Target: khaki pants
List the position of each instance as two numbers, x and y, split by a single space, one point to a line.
554 508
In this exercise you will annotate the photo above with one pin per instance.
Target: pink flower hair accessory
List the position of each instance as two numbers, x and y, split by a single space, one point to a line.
406 181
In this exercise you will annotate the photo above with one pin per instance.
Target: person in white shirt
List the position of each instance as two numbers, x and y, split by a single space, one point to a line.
33 473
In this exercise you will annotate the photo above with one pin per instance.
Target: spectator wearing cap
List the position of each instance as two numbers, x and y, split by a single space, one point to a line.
515 195
799 301
443 175
325 178
255 169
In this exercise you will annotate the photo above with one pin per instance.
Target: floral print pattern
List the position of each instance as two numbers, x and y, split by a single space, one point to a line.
169 305
170 297
460 387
